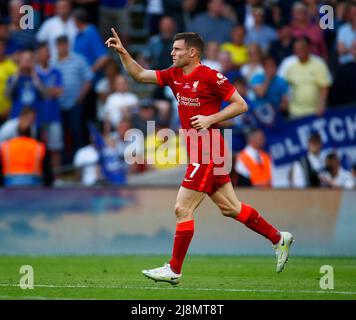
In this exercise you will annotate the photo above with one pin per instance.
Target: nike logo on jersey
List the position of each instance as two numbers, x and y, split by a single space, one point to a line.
188 180
176 82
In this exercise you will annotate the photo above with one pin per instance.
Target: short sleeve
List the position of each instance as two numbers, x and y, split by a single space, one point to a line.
98 47
164 77
323 77
221 86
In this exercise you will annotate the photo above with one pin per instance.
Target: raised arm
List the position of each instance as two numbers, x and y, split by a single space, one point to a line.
135 70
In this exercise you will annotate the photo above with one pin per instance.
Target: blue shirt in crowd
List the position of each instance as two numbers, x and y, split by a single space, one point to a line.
212 29
51 78
267 108
89 44
24 94
75 72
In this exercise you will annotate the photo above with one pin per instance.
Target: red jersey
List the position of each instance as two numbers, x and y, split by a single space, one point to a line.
199 93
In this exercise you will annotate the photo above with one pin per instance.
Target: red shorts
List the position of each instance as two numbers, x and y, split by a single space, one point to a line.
201 177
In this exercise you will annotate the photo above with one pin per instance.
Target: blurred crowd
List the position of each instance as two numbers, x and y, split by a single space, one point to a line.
58 77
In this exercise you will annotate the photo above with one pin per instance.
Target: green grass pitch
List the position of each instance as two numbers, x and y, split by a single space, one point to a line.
205 277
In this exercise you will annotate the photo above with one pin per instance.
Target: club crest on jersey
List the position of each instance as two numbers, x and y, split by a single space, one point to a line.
186 86
195 86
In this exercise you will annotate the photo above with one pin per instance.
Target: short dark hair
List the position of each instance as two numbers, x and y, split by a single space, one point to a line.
41 44
315 138
191 39
304 39
62 38
332 156
81 15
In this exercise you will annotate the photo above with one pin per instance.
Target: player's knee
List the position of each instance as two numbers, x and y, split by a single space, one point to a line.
182 212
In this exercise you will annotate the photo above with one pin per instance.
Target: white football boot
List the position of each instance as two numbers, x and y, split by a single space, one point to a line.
282 250
165 274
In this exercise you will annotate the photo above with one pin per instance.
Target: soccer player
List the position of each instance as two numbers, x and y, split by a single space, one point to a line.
200 91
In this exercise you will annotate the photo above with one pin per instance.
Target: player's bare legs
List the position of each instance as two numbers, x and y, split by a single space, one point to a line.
229 205
186 203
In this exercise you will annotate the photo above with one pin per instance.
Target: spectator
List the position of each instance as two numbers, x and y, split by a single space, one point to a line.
254 65
309 80
306 171
334 176
175 9
77 78
227 67
50 116
25 87
105 87
119 103
115 13
91 8
283 47
260 33
212 56
191 8
21 39
24 162
313 9
237 47
244 11
12 49
61 24
303 27
7 69
43 10
212 25
88 42
117 143
10 129
159 47
343 90
271 93
86 160
346 35
154 13
253 165
147 111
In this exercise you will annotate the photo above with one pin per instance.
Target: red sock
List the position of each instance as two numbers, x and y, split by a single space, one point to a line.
253 220
183 236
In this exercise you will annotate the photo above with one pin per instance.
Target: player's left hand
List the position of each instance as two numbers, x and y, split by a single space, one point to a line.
200 122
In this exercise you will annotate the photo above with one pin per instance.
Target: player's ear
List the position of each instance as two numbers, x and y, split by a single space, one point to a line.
193 52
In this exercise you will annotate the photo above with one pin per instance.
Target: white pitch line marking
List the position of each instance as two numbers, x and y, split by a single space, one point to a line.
81 286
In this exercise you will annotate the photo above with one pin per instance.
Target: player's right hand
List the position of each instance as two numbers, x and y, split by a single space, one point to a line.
115 42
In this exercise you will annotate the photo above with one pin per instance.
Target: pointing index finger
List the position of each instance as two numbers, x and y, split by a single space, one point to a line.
114 33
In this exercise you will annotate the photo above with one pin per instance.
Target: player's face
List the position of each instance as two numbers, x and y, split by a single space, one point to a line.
180 54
